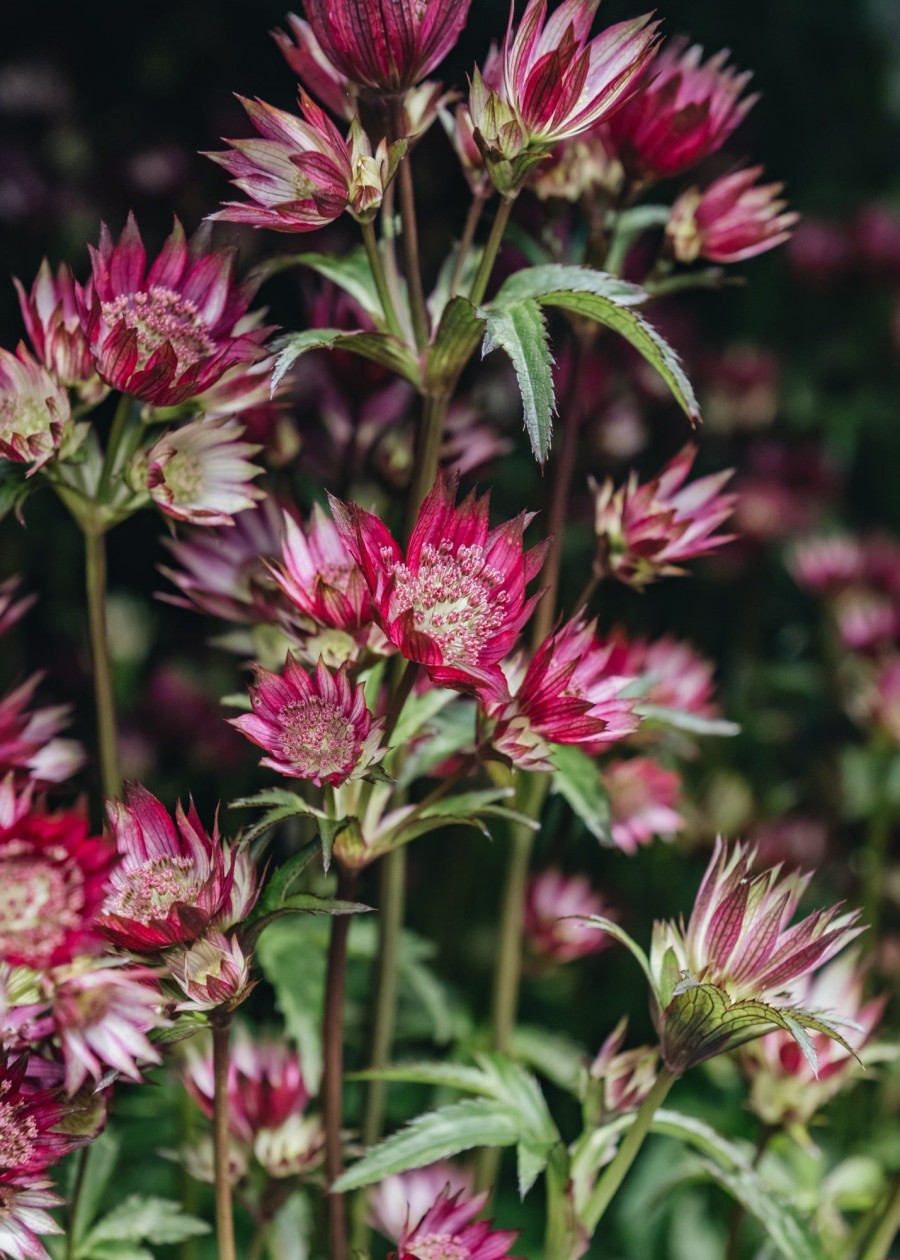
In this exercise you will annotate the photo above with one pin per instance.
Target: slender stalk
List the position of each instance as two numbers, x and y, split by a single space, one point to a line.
491 250
221 1032
380 277
80 1176
615 1172
738 1211
411 262
877 840
879 1243
392 904
473 218
95 581
113 442
333 1079
428 454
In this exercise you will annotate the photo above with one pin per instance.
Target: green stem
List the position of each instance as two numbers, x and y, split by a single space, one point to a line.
333 1080
491 250
559 1240
95 581
113 442
877 840
221 1031
878 1244
428 454
379 275
738 1211
615 1172
80 1176
390 923
472 220
411 262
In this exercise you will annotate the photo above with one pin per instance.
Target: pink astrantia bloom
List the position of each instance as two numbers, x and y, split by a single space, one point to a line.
554 904
168 332
24 1218
53 876
309 62
201 473
404 1197
449 1231
34 411
642 800
684 111
645 531
31 1120
51 312
303 173
387 45
571 693
455 602
733 219
101 1015
673 675
214 972
173 880
625 1076
314 727
29 738
320 576
827 563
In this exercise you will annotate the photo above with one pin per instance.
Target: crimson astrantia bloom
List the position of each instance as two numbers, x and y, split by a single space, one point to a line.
571 693
387 45
683 111
315 727
645 532
31 1119
28 738
53 880
202 473
51 312
173 879
643 796
455 602
24 1218
449 1231
404 1197
733 219
553 904
321 577
34 411
303 174
168 332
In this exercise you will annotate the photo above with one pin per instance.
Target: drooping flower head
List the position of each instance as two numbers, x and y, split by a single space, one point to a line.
315 727
449 1231
683 112
303 173
51 312
53 881
455 602
643 797
645 532
571 693
386 45
201 473
29 738
404 1197
173 880
34 411
554 904
24 1218
168 332
733 219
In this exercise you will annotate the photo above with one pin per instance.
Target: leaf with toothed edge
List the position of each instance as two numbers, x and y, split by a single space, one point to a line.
521 330
383 348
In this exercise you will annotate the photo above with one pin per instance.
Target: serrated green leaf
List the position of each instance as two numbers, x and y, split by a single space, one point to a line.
450 731
576 777
456 340
521 330
351 273
143 1219
553 1055
539 282
280 883
293 961
468 1080
187 1025
532 1158
463 803
381 347
419 711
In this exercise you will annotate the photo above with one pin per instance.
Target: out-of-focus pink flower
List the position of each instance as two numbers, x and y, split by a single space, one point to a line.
673 674
796 840
31 1122
460 131
455 602
168 332
866 619
884 704
876 239
645 532
683 111
24 1218
643 797
387 45
783 491
51 312
315 727
554 905
820 252
733 219
742 392
785 1090
825 564
201 473
627 1076
34 411
29 743
405 1197
101 1015
576 168
303 174
13 606
321 577
449 1228
174 879
571 693
54 876
213 972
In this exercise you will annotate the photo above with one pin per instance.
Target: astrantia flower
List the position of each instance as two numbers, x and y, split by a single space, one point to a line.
404 1197
34 411
101 1015
387 45
554 903
684 110
295 1147
646 531
202 473
827 563
29 743
24 1218
173 880
166 333
303 174
53 880
213 972
624 1076
672 675
51 313
449 1231
455 602
309 62
727 976
642 800
315 727
30 1123
733 219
